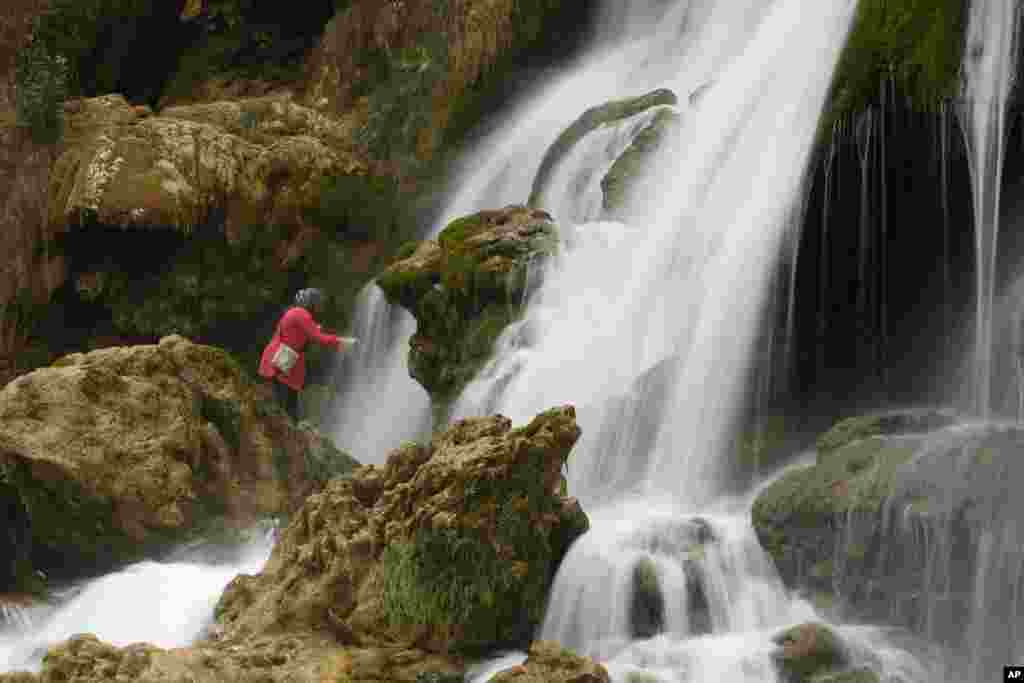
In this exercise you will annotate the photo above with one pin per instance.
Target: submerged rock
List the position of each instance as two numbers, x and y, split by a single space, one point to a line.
610 112
110 455
629 169
464 289
908 528
549 662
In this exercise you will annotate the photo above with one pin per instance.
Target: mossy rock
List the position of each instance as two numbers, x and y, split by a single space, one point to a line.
629 168
862 427
647 604
915 45
464 289
616 110
852 676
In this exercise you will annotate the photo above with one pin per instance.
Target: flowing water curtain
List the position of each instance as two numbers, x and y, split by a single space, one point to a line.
989 70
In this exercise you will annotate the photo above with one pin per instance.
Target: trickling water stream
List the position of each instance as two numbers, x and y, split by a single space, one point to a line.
989 72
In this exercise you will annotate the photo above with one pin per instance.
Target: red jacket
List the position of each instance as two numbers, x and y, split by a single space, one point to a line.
295 328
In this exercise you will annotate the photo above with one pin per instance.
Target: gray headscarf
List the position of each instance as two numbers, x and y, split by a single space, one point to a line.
310 299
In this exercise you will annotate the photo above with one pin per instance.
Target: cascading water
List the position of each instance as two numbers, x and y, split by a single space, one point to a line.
166 603
989 70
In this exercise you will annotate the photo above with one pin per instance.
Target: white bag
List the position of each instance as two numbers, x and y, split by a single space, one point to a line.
284 358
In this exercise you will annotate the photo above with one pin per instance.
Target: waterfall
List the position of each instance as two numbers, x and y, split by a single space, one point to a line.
989 71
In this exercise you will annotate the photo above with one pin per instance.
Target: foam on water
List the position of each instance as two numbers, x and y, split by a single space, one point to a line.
167 604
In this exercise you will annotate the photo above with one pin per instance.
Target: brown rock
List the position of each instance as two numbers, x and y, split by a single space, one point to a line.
550 663
113 452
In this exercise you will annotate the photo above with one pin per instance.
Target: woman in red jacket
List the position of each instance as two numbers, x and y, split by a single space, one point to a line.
283 362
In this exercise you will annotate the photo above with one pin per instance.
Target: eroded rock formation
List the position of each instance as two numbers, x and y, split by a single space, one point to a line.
110 455
464 289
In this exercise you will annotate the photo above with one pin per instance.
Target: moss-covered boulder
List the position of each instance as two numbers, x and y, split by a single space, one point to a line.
647 603
628 170
110 455
890 526
549 662
464 289
448 547
611 112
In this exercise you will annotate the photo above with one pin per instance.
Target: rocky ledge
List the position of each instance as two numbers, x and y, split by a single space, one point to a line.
110 455
393 573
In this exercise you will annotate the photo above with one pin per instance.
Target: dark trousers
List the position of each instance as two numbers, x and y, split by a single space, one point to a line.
287 398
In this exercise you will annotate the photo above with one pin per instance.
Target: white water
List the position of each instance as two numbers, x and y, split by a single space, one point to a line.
167 604
989 71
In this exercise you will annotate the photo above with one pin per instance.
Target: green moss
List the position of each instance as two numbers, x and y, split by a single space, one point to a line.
917 44
454 577
357 206
226 416
406 250
628 168
325 461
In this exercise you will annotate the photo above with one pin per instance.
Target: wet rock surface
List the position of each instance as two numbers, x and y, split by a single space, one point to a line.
389 574
109 455
464 289
548 662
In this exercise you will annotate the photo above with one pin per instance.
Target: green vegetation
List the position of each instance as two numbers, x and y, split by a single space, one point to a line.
357 206
454 577
916 44
41 81
401 89
628 168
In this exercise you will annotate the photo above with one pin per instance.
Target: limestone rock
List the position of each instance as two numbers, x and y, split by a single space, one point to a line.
110 454
464 289
548 662
446 548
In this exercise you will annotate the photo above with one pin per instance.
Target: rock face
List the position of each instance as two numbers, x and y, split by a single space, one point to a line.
904 527
449 547
387 575
112 454
550 663
464 289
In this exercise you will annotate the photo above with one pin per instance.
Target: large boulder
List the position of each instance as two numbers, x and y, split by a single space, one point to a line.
110 455
549 662
388 575
814 653
464 288
908 527
449 547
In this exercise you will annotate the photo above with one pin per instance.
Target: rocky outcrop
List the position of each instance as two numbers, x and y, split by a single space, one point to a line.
611 112
630 169
387 575
464 289
549 662
903 525
110 455
448 547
